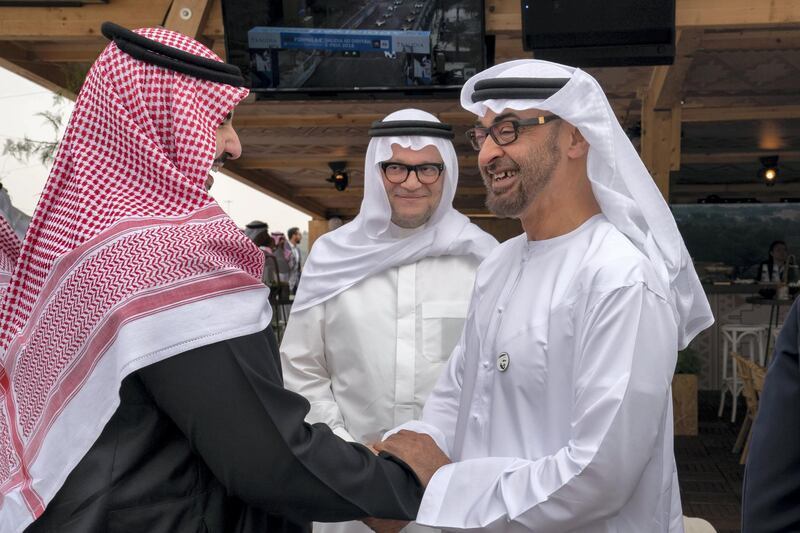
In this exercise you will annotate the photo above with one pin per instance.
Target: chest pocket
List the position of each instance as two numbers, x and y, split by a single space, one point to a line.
527 353
441 328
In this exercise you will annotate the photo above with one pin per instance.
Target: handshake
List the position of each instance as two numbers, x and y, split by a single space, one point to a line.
421 454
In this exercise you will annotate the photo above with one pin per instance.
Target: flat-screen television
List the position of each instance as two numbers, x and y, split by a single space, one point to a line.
593 33
355 48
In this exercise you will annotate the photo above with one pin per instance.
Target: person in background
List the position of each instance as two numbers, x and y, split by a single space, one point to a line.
772 270
258 232
295 263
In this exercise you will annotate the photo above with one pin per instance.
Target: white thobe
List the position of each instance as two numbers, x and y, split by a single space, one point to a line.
576 433
367 358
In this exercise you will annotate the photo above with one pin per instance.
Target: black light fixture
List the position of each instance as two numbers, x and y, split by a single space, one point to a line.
339 176
769 169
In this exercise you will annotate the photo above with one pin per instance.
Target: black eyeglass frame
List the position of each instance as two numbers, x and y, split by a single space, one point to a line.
516 124
409 169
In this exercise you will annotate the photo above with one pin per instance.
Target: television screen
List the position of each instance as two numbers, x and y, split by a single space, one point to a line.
349 47
622 32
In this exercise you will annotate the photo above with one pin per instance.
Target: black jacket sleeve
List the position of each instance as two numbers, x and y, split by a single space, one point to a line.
771 493
229 401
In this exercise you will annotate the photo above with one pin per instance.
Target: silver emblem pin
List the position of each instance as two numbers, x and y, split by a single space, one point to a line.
502 362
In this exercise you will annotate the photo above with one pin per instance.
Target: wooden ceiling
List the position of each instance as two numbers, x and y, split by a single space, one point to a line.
732 96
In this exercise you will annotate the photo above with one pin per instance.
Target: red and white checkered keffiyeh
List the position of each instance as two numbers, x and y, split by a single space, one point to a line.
9 252
127 261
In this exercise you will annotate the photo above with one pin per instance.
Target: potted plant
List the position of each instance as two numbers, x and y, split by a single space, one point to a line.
684 393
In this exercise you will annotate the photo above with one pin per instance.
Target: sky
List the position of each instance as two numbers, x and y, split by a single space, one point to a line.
21 100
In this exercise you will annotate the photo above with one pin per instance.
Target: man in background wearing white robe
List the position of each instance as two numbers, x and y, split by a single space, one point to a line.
556 402
382 300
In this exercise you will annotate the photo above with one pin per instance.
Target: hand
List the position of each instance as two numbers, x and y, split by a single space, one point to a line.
418 451
384 525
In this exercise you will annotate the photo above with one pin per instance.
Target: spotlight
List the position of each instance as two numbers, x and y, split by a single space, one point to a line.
339 177
769 169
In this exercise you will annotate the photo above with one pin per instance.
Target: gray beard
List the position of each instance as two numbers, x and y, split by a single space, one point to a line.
535 172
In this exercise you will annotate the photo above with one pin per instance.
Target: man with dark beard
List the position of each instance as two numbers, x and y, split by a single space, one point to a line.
555 407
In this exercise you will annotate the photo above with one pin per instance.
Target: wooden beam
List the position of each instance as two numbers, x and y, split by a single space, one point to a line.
506 15
658 142
291 116
271 186
508 46
317 227
68 51
691 193
696 158
736 13
304 161
667 81
40 23
63 23
213 27
503 15
675 138
727 114
749 40
717 188
24 64
187 16
323 192
321 160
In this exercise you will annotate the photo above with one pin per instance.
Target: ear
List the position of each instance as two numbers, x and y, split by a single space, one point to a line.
578 145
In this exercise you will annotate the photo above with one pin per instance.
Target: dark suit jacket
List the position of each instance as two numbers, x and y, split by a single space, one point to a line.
771 494
209 441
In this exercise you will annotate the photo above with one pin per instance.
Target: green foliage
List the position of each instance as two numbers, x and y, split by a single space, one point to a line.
44 151
688 362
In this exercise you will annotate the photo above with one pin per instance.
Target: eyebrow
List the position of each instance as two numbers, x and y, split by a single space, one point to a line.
498 118
504 116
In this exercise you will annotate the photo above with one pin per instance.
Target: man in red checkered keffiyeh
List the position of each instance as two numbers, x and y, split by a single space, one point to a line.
139 380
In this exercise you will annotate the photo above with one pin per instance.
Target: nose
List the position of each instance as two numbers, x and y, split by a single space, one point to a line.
233 147
489 152
412 182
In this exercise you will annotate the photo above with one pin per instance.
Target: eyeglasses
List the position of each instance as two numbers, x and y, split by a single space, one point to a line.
505 132
397 173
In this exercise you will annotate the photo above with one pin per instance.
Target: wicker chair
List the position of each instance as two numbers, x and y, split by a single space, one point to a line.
752 376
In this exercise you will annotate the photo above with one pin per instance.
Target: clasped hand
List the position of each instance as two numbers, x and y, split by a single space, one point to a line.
421 454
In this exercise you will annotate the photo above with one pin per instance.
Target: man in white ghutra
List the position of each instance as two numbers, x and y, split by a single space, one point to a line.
556 404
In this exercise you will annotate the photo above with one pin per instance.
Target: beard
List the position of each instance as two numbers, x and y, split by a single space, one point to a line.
534 172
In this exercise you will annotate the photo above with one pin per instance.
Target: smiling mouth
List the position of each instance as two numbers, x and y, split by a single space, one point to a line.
501 181
502 176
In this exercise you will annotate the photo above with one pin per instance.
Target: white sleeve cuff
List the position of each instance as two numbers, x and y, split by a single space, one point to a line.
418 426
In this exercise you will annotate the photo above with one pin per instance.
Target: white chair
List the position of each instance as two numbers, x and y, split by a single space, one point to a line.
734 338
697 525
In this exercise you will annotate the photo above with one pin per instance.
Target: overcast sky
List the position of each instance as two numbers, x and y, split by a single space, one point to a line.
21 100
